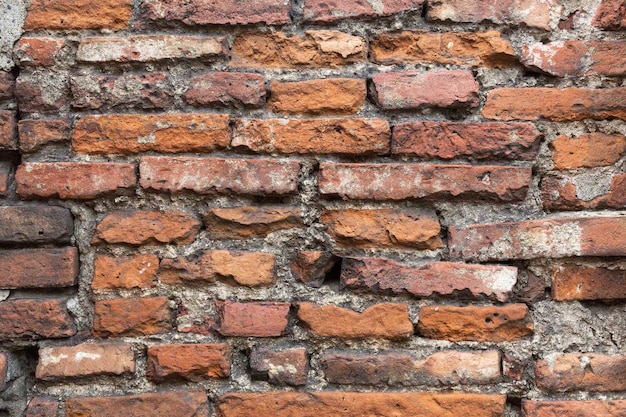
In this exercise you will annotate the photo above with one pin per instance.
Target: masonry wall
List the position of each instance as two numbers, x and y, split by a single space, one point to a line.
313 208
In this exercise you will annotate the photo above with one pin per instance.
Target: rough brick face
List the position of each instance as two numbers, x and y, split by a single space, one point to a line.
132 317
252 319
613 408
284 367
580 371
38 268
611 15
36 133
138 271
324 11
40 52
250 221
8 124
572 192
588 282
35 224
42 407
78 14
35 319
7 86
587 151
226 89
43 92
190 362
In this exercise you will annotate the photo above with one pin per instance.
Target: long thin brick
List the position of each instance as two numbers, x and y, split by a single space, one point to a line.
78 14
38 268
192 362
35 224
581 372
132 317
325 11
573 281
35 319
36 133
572 408
325 96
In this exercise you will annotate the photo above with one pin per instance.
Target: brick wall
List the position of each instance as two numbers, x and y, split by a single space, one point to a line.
314 208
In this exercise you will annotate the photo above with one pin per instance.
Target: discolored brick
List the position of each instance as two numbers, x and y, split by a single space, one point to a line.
252 319
573 281
128 272
38 268
192 362
78 14
326 96
251 221
325 11
36 133
230 89
35 224
283 367
572 408
35 319
132 317
581 372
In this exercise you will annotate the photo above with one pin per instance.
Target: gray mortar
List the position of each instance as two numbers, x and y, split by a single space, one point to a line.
12 16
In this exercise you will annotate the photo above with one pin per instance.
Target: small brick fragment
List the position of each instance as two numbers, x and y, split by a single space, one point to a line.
38 268
583 191
593 408
611 15
8 124
78 14
35 224
384 320
40 51
230 89
311 267
132 317
284 367
252 319
36 133
581 372
6 168
42 407
587 151
127 272
43 92
327 96
7 86
324 11
192 362
251 221
573 281
35 319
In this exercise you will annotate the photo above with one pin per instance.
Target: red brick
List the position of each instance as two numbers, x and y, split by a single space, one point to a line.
7 86
148 48
416 181
451 140
386 276
251 221
252 319
251 269
383 404
35 224
415 89
284 367
481 324
353 136
384 228
230 89
4 369
78 14
8 124
314 49
193 362
132 317
588 282
593 408
384 321
40 52
564 105
171 403
219 175
133 133
587 151
38 268
42 407
86 359
128 272
611 15
137 227
6 168
43 92
311 267
583 191
35 319
324 11
581 372
36 133
73 180
547 238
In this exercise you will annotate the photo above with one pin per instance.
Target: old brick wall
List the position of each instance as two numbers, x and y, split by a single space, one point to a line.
282 208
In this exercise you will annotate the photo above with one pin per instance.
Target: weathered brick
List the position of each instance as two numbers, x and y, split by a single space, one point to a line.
482 324
230 89
137 227
251 269
384 321
40 51
593 408
73 180
252 319
416 181
559 105
35 224
325 96
36 133
78 14
382 404
86 359
587 151
611 15
401 369
148 48
314 49
42 407
384 228
8 124
581 372
451 140
547 238
320 136
38 268
7 86
129 272
192 362
6 168
251 221
386 276
219 175
172 403
35 319
585 190
325 11
311 267
133 133
415 89
4 369
284 367
572 281
43 92
416 47
132 317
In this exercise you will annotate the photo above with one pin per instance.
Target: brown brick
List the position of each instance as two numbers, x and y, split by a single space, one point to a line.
547 238
386 276
593 408
36 133
40 52
250 269
148 48
384 320
384 228
219 175
38 268
7 86
252 319
230 89
137 227
251 221
416 47
6 168
311 267
401 369
416 181
43 92
588 282
319 136
78 14
451 140
481 324
8 124
415 89
128 272
314 49
132 133
35 224
42 407
73 180
611 15
326 96
193 362
35 319
132 317
581 372
171 403
382 404
4 369
586 190
587 151
86 359
324 11
284 367
564 105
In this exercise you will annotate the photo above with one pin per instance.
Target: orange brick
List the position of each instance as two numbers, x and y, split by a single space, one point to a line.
327 96
78 14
